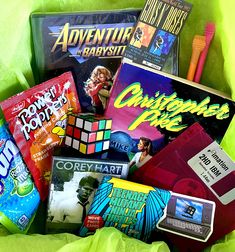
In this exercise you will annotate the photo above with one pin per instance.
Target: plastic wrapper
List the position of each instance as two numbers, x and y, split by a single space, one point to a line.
37 120
19 198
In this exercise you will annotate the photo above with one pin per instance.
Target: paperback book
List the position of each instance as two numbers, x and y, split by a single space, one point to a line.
152 108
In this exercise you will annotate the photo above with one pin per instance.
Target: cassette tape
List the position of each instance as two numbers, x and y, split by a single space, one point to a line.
193 164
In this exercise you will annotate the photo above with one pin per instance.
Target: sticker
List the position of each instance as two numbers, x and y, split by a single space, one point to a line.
188 216
93 222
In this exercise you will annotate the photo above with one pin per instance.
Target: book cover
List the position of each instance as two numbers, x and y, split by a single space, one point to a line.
195 165
151 108
90 44
156 32
137 210
75 177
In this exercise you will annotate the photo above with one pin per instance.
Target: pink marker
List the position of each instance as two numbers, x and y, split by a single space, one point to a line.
209 34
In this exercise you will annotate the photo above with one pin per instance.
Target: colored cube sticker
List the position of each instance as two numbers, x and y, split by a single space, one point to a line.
102 124
75 144
108 124
69 130
107 134
79 123
99 136
99 147
91 149
71 119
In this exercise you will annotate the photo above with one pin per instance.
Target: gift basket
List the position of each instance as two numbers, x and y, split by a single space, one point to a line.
117 125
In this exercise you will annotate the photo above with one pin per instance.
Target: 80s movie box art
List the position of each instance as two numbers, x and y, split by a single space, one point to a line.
158 107
90 45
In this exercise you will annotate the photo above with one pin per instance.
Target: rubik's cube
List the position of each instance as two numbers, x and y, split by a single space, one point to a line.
88 133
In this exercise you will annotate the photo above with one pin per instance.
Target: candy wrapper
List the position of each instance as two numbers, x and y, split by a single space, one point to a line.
19 198
37 119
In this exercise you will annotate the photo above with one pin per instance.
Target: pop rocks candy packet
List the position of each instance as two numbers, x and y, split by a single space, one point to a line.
37 120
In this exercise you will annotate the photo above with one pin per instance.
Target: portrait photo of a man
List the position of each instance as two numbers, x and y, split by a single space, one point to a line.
73 210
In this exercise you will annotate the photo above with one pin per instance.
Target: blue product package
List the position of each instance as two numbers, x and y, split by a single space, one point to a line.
142 212
19 199
133 208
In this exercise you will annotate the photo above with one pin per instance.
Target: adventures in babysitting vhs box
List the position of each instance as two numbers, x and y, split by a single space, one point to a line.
81 42
90 45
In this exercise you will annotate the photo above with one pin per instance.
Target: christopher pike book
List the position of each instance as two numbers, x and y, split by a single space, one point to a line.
158 106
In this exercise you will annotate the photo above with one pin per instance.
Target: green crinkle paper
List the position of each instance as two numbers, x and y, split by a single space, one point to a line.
17 66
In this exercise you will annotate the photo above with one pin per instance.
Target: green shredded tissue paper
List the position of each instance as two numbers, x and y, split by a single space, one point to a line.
17 73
